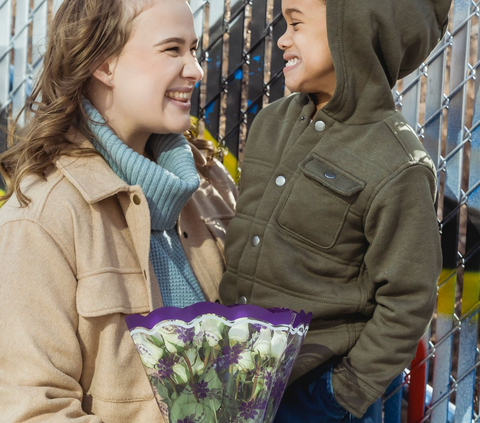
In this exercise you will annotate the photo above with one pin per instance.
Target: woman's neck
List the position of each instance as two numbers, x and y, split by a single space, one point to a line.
119 123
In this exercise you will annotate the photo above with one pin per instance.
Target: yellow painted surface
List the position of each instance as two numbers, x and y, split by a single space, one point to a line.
446 292
471 291
229 160
1 193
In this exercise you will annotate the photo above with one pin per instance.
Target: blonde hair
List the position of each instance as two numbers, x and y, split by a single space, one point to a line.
83 34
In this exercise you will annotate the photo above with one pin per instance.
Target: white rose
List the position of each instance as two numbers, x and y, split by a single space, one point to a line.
212 329
181 373
239 333
246 361
149 352
279 344
170 337
263 342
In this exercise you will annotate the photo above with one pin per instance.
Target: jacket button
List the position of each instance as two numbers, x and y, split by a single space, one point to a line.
136 199
320 126
256 241
330 175
242 300
280 181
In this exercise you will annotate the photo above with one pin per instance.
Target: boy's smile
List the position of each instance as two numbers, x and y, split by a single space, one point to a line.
309 66
292 62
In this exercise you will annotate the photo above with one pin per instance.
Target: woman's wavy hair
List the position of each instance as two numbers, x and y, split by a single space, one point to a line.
83 34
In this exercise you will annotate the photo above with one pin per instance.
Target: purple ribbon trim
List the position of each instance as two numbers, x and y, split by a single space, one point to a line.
274 316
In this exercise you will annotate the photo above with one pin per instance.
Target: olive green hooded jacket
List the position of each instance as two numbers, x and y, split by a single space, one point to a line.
336 216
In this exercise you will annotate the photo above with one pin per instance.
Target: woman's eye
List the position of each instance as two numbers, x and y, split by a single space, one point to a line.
294 24
174 49
194 51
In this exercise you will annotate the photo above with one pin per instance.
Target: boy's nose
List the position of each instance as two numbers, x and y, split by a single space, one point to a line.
284 42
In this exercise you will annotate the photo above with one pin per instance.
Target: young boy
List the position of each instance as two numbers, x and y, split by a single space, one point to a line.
336 214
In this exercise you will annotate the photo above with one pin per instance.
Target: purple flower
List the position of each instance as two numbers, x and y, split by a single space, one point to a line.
247 410
232 354
185 334
186 420
201 389
164 367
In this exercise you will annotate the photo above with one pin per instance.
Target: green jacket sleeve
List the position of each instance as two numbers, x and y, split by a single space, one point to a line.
403 261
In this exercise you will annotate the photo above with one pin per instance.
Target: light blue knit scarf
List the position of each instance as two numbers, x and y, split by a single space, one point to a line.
167 184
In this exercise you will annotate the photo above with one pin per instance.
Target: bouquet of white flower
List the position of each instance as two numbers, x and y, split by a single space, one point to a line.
211 363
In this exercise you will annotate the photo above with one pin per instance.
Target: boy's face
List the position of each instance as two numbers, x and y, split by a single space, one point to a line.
309 67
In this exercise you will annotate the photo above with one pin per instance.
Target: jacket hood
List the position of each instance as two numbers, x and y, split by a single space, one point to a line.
373 45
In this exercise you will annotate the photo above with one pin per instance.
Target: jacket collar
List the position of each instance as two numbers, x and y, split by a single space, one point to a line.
90 175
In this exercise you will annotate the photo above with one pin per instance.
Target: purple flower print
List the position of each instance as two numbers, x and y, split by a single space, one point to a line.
278 389
260 404
186 420
232 354
164 367
258 327
185 334
201 389
247 410
268 379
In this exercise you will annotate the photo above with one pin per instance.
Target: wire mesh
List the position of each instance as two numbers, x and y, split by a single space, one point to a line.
441 101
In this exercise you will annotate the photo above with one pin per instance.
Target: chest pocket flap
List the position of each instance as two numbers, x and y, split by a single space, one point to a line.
317 206
111 292
331 176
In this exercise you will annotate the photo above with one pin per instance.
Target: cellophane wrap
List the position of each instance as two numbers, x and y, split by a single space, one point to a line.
212 363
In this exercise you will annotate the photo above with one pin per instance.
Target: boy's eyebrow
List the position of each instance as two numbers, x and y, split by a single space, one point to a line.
291 10
177 40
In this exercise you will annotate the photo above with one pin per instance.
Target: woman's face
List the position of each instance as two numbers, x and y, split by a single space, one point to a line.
153 78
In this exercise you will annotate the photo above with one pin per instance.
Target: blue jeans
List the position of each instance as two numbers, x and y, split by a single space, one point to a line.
310 399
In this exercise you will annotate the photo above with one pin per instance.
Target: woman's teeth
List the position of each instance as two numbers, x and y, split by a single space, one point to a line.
292 62
178 95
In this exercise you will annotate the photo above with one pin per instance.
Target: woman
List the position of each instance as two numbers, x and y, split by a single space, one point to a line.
89 230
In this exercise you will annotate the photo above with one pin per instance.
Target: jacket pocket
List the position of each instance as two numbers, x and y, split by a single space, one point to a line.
318 204
112 291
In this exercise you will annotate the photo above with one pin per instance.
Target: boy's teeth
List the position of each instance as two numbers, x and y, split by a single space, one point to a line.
292 62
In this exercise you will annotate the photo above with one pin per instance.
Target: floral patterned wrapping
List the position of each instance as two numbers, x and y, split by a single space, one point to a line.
212 363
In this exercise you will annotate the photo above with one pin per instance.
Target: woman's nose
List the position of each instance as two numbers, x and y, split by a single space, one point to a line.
192 70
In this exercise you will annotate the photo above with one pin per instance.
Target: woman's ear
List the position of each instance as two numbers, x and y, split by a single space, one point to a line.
104 74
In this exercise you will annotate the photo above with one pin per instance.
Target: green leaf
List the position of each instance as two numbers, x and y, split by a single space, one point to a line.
184 406
156 341
162 389
212 379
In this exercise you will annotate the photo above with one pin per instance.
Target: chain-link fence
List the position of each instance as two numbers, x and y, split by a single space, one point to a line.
243 73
